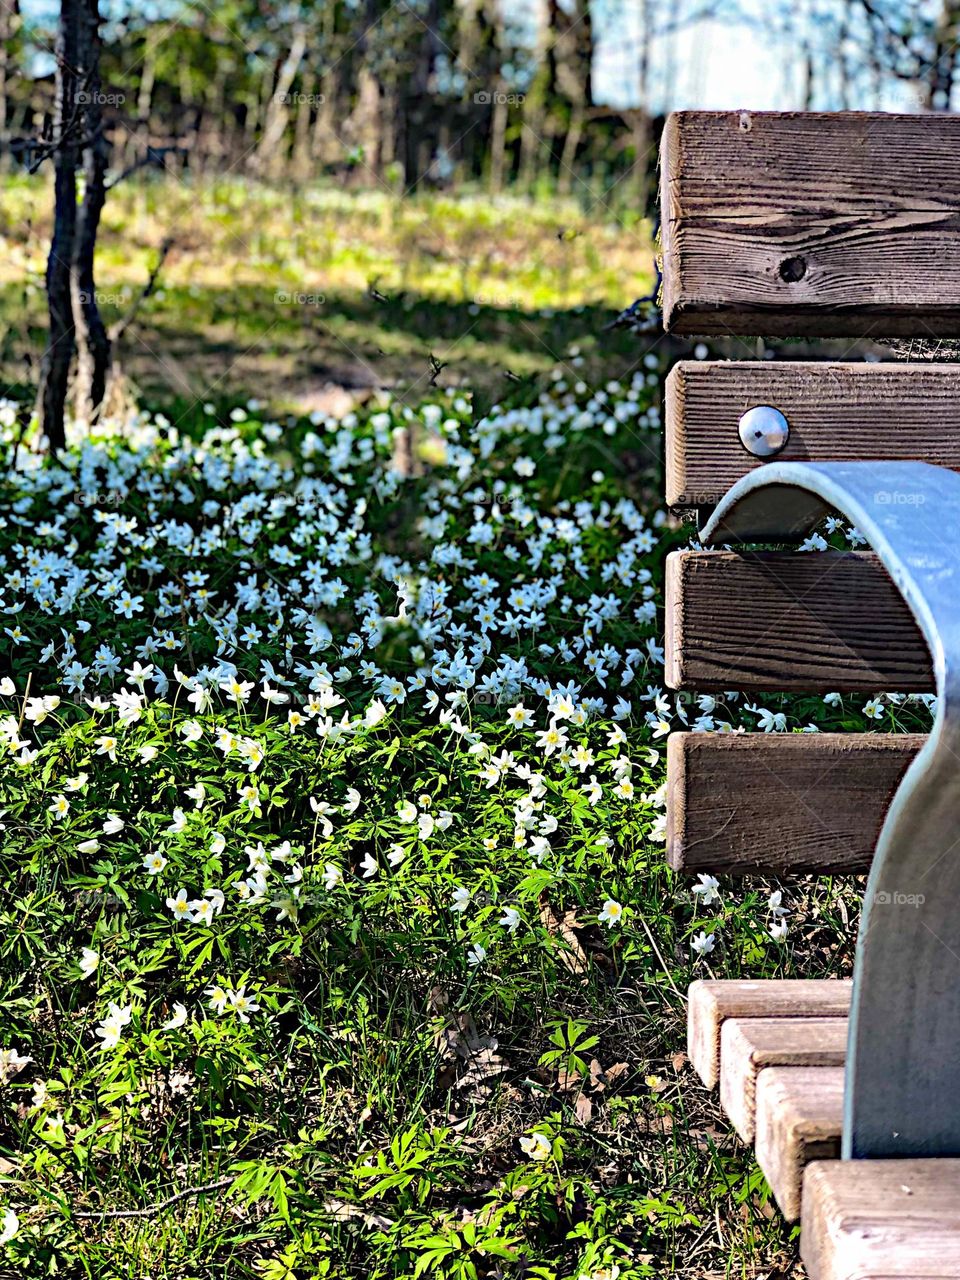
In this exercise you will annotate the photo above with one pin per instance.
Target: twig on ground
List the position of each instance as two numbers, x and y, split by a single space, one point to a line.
219 1185
123 324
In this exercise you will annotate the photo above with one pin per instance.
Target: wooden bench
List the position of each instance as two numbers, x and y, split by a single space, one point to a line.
825 225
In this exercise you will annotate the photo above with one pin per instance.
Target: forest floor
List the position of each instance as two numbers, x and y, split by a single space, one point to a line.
298 294
337 937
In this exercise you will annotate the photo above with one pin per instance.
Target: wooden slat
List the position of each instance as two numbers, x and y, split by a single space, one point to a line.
881 1220
836 412
811 223
780 803
711 1002
790 621
749 1045
799 1120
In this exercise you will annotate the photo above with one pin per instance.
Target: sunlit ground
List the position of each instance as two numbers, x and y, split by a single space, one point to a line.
290 293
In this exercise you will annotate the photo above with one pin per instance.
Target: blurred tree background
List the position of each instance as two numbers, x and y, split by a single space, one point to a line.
536 95
470 158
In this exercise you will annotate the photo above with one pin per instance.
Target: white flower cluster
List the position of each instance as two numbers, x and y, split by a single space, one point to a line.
300 537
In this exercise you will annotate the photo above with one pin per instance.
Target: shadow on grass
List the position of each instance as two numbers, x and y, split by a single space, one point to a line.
295 349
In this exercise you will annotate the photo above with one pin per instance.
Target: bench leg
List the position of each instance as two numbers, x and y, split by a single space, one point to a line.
903 1061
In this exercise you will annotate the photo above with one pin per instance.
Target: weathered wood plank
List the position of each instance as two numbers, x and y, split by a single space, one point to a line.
711 1002
780 803
881 1220
836 412
843 224
790 621
799 1119
749 1045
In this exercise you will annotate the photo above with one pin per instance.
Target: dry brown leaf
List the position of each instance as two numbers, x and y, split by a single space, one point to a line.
575 958
484 1064
573 942
654 1124
584 1109
459 1041
567 1080
616 1072
342 1211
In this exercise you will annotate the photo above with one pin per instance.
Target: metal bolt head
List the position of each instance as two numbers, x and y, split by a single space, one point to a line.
764 431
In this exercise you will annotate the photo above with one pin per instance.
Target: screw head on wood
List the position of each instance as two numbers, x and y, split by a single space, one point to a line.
764 431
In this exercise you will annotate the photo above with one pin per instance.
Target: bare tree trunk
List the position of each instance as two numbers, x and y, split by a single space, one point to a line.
301 129
55 366
940 85
569 154
138 141
640 132
531 134
844 66
569 88
269 156
418 103
257 122
388 125
242 139
93 343
498 138
9 21
323 136
641 118
809 77
323 143
211 143
363 125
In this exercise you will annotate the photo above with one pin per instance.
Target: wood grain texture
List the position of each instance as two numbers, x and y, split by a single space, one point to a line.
790 621
711 1002
828 224
881 1220
780 803
799 1119
836 412
749 1045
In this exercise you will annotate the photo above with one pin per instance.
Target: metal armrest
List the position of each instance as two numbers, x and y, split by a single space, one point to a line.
902 1092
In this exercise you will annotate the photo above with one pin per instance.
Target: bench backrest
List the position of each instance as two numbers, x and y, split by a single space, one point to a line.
804 225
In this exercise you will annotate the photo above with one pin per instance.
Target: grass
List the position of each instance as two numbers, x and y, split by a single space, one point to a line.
432 1084
296 293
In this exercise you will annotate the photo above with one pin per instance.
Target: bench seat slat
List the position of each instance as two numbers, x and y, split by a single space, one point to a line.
799 1119
711 1002
821 224
881 1220
750 1045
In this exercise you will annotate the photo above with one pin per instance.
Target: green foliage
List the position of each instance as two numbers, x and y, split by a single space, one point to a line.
572 1041
286 292
418 1009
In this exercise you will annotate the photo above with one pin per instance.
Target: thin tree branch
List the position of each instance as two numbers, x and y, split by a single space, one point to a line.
118 329
219 1185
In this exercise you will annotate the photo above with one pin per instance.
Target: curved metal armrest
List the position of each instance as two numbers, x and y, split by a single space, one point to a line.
902 1094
